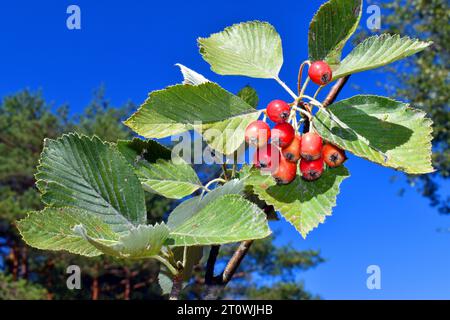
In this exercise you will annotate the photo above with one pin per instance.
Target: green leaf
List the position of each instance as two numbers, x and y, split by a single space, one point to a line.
378 51
251 49
203 107
52 229
304 204
137 149
174 181
143 241
330 29
230 218
86 173
228 135
165 282
190 207
249 95
153 165
160 175
381 130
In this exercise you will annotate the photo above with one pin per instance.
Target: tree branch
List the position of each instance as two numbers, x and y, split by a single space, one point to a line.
235 261
176 287
334 91
210 264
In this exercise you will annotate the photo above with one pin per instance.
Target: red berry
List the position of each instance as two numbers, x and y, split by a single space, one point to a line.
278 111
311 170
266 157
286 171
333 156
311 147
292 151
257 133
320 72
282 134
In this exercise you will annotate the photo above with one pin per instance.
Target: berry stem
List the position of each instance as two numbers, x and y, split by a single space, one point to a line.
166 264
300 74
302 91
317 91
285 87
313 101
206 187
304 112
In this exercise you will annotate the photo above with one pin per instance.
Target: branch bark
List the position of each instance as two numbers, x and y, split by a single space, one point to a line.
176 287
235 261
335 90
210 264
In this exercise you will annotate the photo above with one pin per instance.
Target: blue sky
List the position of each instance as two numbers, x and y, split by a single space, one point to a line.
131 47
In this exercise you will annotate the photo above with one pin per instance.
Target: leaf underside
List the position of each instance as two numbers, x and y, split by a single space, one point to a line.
143 241
230 218
190 207
52 229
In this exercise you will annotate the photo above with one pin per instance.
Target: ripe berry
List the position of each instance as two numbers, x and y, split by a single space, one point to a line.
292 151
320 72
257 133
311 170
333 156
278 111
311 147
282 134
266 157
285 172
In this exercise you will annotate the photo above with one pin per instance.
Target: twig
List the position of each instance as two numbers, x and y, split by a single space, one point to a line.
176 287
209 274
216 284
285 87
224 169
334 91
235 261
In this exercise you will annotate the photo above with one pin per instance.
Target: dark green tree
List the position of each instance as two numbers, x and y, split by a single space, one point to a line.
11 289
423 79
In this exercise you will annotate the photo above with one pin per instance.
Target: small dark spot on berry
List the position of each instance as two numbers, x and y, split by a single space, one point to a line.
284 115
325 78
334 157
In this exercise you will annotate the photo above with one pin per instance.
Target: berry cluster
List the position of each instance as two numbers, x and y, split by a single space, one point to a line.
287 146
